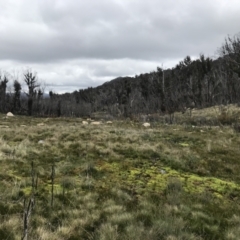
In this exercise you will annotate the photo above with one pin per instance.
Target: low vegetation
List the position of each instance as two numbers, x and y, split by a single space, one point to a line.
121 180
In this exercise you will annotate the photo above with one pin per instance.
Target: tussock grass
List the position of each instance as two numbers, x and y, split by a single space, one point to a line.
123 181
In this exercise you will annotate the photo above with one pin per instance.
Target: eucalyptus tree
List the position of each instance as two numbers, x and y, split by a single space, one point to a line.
17 96
31 80
230 56
3 87
230 51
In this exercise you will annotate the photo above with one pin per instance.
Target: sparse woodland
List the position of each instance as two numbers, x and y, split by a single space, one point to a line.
64 178
190 84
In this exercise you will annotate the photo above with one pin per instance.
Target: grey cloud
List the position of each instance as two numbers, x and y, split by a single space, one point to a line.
87 42
105 30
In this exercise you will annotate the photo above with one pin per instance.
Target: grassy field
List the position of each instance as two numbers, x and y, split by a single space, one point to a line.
121 180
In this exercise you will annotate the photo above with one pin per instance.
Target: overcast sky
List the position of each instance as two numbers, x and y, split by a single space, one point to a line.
74 44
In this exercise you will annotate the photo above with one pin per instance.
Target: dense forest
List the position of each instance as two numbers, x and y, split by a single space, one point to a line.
190 84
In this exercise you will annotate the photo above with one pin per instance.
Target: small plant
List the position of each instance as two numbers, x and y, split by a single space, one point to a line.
226 116
236 127
173 191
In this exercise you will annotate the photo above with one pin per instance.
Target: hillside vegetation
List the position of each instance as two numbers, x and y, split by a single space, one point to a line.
121 180
192 83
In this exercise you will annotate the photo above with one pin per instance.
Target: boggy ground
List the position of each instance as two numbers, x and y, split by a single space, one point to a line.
118 181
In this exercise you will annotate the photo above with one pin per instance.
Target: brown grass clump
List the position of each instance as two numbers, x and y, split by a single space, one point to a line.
120 180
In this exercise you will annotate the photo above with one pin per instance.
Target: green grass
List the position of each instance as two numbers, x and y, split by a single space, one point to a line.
121 181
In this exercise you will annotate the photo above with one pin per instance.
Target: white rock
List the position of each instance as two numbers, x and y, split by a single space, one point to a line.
146 124
162 171
40 124
96 123
109 122
40 142
9 114
84 122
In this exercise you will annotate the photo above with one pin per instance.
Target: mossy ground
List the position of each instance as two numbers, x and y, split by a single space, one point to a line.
120 181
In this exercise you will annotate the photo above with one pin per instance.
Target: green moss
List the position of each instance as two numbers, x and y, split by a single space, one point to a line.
152 179
27 191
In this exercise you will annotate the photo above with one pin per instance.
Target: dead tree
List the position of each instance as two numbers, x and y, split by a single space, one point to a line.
28 207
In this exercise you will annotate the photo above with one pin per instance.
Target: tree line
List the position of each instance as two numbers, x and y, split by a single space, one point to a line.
191 83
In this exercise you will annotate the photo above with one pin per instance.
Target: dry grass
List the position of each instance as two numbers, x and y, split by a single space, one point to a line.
122 181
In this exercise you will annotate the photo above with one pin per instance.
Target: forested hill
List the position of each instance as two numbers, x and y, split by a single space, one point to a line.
200 83
191 83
